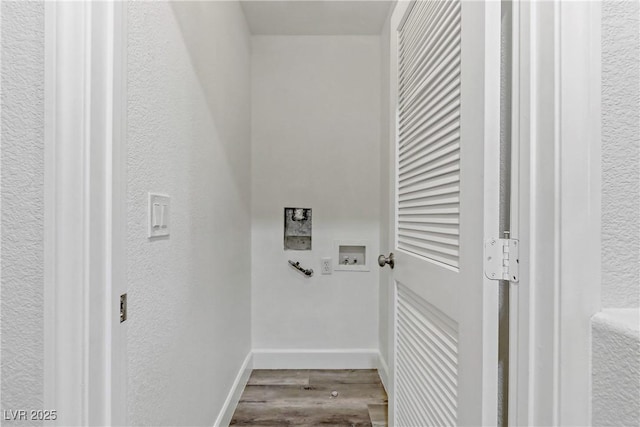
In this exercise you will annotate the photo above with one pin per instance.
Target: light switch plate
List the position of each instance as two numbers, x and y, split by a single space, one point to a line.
158 215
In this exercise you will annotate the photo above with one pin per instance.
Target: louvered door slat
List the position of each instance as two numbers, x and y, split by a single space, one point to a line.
421 15
421 394
428 203
440 410
443 164
445 83
445 239
437 47
429 131
437 149
409 409
440 352
427 363
446 134
416 196
445 104
410 212
440 114
420 34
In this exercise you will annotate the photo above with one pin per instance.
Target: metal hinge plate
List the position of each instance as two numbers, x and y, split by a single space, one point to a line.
501 259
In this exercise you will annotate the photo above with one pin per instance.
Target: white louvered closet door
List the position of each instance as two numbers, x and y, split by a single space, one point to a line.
445 75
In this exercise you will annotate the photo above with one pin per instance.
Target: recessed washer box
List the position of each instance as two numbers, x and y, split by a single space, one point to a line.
351 255
297 229
158 215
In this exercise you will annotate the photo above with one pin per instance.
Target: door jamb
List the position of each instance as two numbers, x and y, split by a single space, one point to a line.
119 214
555 210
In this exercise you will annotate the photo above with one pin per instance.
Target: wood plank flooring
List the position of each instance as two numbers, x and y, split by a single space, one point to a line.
304 398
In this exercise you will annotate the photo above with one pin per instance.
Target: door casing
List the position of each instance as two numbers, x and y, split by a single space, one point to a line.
555 215
85 212
555 210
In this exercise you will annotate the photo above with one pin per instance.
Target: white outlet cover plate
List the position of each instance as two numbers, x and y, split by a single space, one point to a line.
326 266
158 215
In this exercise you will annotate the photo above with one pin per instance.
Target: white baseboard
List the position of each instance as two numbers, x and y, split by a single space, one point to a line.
230 403
315 359
383 371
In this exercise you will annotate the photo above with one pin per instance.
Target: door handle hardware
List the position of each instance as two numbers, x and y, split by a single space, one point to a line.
382 260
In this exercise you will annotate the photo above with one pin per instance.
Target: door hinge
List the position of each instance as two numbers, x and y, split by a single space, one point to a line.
501 259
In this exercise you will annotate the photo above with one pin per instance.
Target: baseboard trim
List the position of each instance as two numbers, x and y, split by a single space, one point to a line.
383 371
315 359
230 403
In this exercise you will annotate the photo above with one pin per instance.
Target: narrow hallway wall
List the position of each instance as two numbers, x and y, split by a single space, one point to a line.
188 137
22 224
315 144
620 154
616 329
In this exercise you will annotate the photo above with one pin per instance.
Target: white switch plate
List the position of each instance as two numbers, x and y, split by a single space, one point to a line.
158 215
326 266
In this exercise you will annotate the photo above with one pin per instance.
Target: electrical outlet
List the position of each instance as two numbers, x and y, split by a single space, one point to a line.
325 266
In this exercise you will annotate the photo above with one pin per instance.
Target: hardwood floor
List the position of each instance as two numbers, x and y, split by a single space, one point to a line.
304 398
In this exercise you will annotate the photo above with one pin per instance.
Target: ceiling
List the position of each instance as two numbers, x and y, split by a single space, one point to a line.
316 17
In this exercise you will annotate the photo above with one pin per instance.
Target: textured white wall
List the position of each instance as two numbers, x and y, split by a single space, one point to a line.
315 143
188 137
620 154
616 368
22 223
615 330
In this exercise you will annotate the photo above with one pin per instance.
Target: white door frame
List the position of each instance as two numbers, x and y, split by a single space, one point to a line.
555 210
85 195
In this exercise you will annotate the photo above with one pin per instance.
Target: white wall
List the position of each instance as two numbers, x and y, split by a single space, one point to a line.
22 223
616 368
188 137
316 144
615 330
620 154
